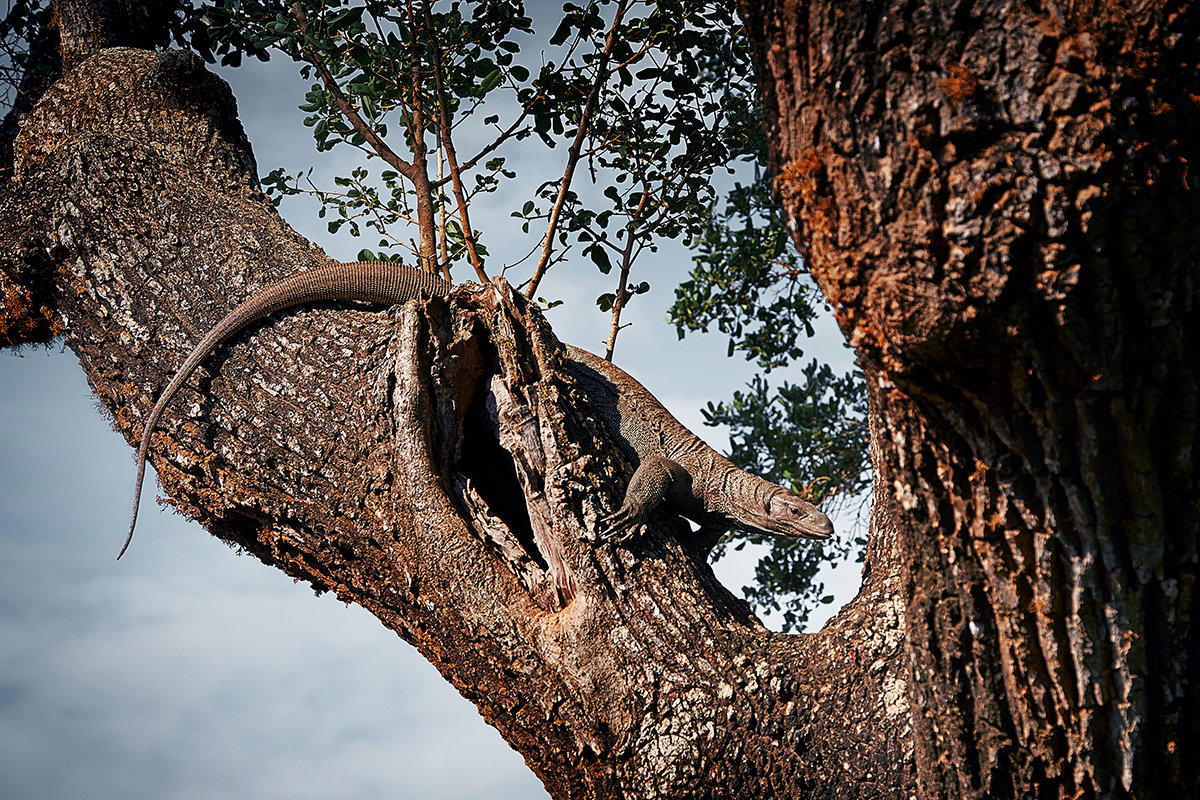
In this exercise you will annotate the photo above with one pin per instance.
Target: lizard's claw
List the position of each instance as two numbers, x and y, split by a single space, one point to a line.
649 486
621 524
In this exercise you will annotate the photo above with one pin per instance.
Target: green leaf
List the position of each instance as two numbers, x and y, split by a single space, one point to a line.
599 255
490 81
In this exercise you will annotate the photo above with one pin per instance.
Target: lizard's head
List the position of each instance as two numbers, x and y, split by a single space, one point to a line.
788 515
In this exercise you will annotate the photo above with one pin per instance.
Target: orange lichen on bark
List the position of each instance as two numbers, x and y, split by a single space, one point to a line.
23 320
961 86
797 180
799 190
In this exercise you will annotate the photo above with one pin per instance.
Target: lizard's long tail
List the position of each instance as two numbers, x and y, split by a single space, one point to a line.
367 281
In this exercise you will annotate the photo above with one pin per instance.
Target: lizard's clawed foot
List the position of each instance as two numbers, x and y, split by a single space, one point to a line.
620 525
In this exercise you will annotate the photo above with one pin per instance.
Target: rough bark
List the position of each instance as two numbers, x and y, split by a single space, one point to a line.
417 461
89 26
1000 202
86 26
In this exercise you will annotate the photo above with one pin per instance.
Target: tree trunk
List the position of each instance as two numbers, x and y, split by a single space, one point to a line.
1000 201
434 463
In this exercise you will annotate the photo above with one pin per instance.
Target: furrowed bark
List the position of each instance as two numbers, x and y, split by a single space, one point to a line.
75 30
999 202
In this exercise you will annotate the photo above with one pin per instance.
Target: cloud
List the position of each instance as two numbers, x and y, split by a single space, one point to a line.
185 671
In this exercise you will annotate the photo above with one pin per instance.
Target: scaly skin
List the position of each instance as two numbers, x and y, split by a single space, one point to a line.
673 463
677 466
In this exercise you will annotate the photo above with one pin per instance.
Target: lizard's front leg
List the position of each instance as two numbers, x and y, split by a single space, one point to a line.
656 479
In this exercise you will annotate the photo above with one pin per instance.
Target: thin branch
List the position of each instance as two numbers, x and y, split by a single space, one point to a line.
428 254
448 148
345 107
499 140
622 294
602 75
443 254
415 171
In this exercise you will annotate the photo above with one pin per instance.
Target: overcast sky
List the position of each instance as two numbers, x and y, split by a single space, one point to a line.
187 671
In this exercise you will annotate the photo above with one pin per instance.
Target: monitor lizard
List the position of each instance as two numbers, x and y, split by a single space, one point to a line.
672 463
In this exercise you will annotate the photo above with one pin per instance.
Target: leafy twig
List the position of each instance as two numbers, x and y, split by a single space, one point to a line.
448 148
414 171
622 293
602 75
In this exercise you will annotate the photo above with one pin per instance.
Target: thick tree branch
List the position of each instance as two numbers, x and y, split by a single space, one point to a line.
997 202
436 464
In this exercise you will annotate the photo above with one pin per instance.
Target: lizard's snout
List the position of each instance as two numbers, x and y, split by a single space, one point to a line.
792 516
819 525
